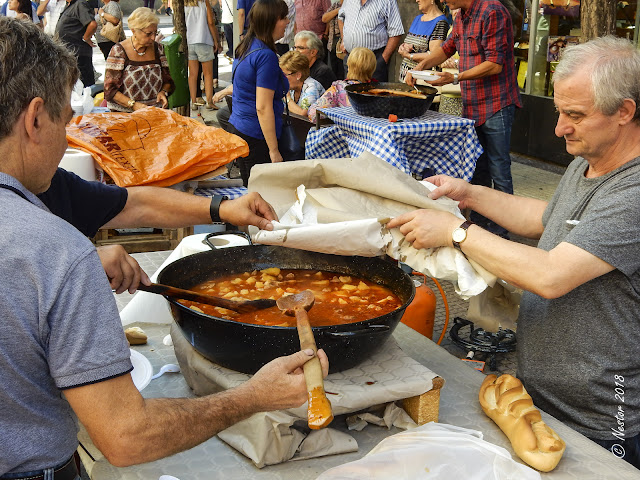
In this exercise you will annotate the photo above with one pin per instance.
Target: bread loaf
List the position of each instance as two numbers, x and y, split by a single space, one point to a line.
507 403
135 336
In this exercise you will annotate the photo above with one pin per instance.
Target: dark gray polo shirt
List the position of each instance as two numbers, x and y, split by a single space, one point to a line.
72 25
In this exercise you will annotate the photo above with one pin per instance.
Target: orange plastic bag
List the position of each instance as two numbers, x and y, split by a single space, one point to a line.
153 146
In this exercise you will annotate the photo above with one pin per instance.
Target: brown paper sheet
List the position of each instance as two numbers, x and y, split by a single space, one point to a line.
350 189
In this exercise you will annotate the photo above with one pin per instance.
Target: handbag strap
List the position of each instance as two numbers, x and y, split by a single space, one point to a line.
233 70
287 121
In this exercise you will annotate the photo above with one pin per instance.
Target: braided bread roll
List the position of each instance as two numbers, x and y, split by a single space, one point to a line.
507 403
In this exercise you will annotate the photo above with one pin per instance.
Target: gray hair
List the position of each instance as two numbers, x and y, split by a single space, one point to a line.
313 41
614 70
32 65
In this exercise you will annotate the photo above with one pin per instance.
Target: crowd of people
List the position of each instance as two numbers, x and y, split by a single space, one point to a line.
63 352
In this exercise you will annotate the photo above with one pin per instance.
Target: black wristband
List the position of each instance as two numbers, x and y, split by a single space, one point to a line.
214 207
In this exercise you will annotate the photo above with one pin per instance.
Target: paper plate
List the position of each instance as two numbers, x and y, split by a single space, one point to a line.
426 75
142 370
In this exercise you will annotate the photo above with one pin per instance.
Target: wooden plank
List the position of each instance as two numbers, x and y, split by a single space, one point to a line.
425 408
166 239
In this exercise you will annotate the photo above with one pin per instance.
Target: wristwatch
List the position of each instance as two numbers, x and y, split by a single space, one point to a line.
455 79
411 57
131 103
214 208
459 235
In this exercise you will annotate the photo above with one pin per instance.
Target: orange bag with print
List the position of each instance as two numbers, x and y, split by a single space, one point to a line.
153 146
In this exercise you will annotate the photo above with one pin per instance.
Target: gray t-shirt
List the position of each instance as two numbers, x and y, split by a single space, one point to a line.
59 328
577 354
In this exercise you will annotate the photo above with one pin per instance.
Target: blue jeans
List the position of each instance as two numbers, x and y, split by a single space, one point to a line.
628 449
493 168
47 473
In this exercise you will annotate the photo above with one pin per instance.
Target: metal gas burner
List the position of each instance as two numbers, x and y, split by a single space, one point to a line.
479 340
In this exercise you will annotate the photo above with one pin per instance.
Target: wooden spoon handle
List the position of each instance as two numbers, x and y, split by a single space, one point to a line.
178 293
319 413
401 93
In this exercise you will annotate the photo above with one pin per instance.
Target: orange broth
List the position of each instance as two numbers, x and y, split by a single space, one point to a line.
338 298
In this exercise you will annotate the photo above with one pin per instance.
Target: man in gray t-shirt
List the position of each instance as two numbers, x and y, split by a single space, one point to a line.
63 354
578 327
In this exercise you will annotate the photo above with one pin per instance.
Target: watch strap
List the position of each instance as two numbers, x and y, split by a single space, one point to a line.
464 227
214 207
455 79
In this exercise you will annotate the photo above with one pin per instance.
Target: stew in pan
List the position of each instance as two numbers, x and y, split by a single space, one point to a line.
339 298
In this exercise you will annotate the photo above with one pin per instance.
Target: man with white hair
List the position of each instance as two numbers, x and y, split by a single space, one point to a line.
63 353
578 326
310 45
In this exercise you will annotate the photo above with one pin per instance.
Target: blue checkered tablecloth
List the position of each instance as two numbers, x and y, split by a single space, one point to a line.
442 143
230 192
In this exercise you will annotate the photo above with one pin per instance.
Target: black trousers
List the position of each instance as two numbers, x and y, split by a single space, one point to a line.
258 153
228 34
105 48
85 65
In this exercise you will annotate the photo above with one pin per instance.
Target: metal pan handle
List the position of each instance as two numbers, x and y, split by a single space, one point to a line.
369 330
225 232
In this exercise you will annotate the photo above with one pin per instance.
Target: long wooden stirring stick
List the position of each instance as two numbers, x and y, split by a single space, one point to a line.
319 413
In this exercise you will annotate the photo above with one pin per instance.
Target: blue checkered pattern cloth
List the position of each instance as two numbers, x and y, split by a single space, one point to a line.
230 192
437 142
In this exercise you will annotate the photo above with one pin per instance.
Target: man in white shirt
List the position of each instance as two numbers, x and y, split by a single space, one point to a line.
51 9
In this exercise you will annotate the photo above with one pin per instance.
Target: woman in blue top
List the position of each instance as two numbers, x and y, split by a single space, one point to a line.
428 31
259 86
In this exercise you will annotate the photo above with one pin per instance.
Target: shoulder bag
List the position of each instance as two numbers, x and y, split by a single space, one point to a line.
113 33
288 143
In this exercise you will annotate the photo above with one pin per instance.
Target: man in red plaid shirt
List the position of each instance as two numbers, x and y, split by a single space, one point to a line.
483 36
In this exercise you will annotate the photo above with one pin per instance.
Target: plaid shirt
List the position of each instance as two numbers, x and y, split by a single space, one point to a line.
309 15
484 33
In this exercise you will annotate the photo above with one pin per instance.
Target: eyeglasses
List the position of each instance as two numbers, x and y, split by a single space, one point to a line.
288 74
298 47
149 34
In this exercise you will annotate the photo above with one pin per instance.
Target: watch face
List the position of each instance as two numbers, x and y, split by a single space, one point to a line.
459 235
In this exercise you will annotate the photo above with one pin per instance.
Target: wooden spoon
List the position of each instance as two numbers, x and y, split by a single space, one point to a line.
319 413
244 306
400 93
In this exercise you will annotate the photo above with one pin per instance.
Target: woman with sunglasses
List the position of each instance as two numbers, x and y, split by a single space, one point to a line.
136 71
259 86
303 90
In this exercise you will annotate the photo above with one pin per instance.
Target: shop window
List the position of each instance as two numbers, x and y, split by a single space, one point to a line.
554 25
